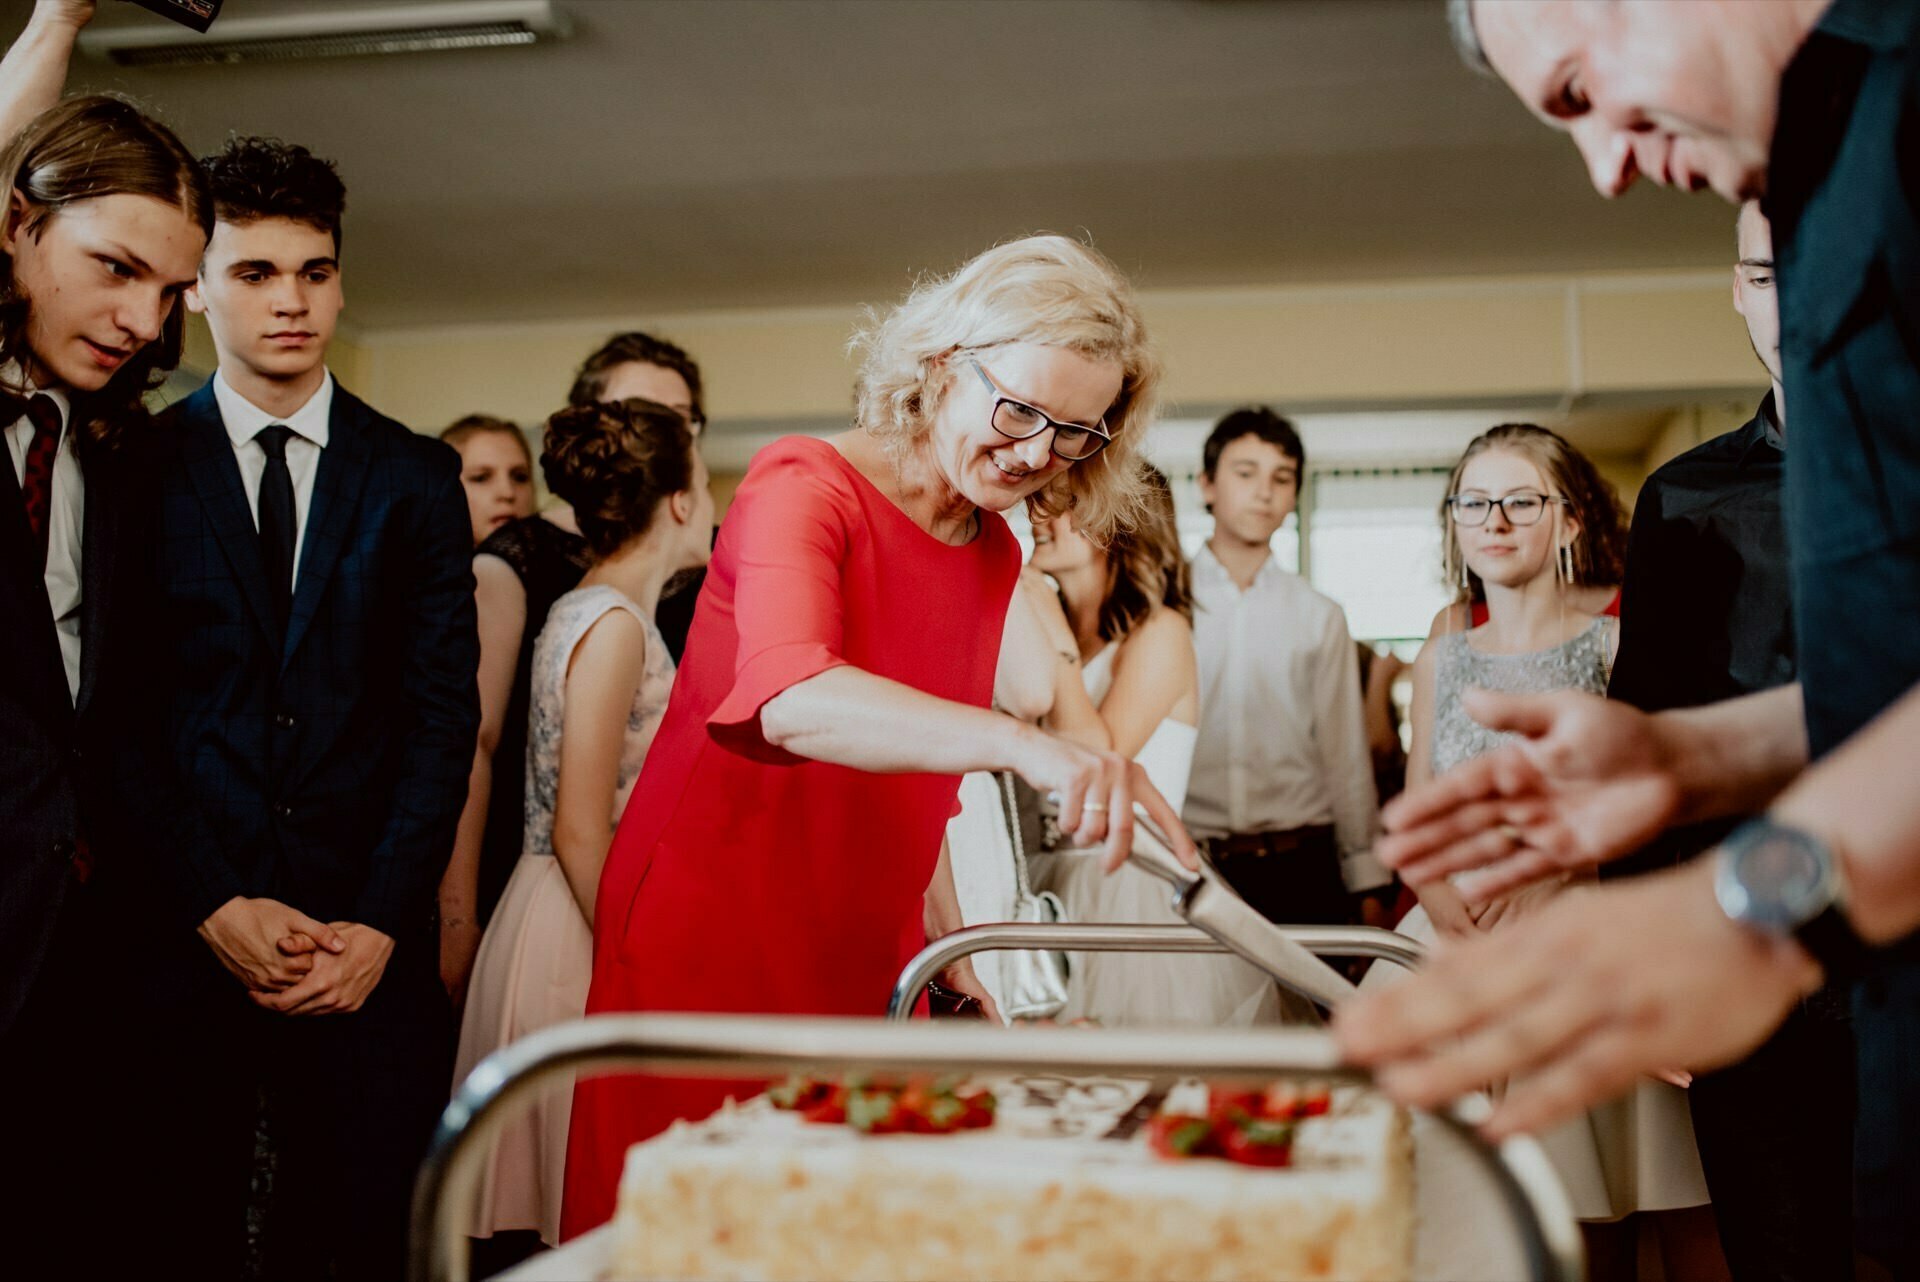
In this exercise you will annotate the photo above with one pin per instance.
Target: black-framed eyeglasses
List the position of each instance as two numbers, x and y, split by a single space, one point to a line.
1019 421
1522 507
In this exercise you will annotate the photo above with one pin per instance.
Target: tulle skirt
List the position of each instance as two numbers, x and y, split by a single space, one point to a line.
1150 989
534 965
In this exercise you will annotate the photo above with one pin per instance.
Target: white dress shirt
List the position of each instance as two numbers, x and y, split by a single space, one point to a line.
244 420
1283 736
66 517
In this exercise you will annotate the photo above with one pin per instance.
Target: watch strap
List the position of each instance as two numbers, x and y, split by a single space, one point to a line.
1833 942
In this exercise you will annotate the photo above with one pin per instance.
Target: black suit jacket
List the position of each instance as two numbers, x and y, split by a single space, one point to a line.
54 747
327 768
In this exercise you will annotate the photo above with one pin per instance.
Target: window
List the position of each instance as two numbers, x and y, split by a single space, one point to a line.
1373 545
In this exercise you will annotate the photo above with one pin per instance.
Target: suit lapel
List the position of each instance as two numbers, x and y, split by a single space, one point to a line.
330 519
19 561
99 547
215 475
16 537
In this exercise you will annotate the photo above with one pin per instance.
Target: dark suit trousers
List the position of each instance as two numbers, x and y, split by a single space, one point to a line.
1886 1027
1776 1143
1292 877
52 1073
350 1103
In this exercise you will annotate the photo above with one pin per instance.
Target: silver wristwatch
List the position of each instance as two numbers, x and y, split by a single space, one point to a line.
1786 882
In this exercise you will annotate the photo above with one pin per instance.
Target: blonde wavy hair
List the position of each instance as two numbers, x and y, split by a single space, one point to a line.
1048 290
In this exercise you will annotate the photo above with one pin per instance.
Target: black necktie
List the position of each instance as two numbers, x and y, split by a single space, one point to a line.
277 525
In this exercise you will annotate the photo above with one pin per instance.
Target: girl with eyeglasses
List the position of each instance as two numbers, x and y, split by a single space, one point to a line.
1531 527
783 850
1528 525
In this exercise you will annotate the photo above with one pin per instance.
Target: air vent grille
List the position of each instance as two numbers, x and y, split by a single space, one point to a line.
490 35
331 33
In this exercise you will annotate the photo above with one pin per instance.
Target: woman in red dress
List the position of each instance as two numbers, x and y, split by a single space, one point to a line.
782 849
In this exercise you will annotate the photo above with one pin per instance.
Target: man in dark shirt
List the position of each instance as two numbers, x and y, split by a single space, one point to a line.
1815 107
1844 196
1706 609
1706 615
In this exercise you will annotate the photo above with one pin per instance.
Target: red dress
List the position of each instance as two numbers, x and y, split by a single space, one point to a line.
744 878
1479 614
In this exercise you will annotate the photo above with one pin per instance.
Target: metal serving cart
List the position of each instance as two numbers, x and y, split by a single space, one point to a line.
1484 1212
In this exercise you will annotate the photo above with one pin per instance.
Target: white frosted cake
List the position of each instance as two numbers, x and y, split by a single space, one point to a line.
1063 1184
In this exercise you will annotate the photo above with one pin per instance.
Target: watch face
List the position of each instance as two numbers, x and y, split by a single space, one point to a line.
1784 874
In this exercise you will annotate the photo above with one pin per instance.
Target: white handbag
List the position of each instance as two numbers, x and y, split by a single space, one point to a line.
1033 981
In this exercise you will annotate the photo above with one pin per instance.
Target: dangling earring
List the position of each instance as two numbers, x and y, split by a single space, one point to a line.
1563 565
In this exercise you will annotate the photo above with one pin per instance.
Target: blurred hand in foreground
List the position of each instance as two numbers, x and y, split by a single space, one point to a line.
1574 1002
1589 781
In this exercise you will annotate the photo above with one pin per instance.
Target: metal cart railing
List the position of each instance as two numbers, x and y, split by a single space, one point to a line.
1103 937
1517 1179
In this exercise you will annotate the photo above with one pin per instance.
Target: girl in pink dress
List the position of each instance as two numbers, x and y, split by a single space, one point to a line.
600 681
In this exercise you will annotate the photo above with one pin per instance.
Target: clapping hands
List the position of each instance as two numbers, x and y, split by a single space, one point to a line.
1588 781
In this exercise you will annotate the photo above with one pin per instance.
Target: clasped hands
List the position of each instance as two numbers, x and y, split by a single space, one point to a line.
295 964
1576 1001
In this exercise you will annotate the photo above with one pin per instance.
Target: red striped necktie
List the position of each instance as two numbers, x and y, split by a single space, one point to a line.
36 483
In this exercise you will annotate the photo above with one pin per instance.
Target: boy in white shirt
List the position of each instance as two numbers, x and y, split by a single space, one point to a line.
1282 792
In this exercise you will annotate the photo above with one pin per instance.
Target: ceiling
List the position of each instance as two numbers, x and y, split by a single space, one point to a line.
681 155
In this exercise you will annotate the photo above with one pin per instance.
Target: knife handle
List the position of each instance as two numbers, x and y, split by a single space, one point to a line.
1153 853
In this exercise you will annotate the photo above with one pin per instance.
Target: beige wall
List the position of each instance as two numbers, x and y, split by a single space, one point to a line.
1364 345
1694 425
1545 345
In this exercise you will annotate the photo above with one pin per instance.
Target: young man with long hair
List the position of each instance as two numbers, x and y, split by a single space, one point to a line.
105 218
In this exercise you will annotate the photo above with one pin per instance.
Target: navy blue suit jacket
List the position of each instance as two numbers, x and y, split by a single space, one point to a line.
328 770
54 749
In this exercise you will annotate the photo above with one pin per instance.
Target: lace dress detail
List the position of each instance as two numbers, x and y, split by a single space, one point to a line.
548 559
567 622
1578 664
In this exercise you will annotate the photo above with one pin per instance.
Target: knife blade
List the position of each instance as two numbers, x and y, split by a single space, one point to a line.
1215 907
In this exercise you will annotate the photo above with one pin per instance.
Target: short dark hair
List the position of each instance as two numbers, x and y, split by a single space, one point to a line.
1257 421
614 462
590 384
256 178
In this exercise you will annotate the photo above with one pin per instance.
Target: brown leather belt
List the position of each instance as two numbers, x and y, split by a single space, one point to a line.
1283 842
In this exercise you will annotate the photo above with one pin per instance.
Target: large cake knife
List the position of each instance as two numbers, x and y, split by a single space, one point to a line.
1206 900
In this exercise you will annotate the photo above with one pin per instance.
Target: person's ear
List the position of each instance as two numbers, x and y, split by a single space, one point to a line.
680 504
195 303
939 372
1206 491
16 219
